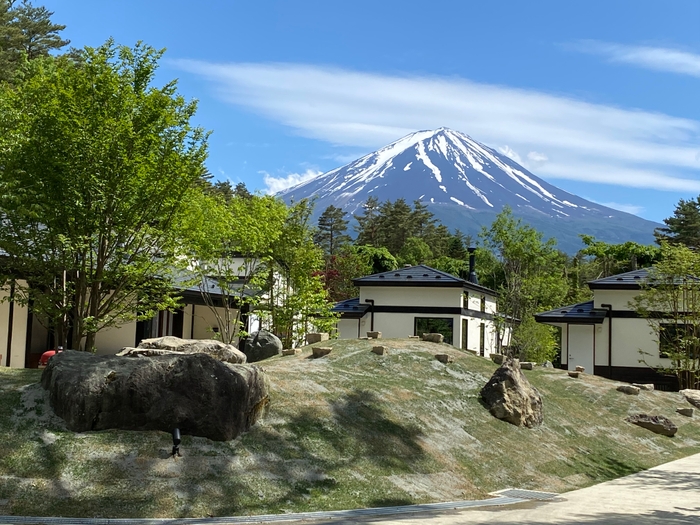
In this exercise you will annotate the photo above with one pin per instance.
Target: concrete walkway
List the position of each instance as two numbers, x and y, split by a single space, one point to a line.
665 495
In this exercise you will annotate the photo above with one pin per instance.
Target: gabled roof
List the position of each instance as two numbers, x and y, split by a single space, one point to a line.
582 313
622 281
351 308
631 280
419 276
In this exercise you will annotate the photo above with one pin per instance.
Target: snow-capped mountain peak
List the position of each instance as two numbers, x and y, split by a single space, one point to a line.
465 183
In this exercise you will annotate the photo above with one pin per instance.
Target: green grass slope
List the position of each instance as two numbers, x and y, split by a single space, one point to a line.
352 429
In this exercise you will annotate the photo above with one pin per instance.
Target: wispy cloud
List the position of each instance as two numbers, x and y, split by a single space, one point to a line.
561 137
629 208
276 184
649 57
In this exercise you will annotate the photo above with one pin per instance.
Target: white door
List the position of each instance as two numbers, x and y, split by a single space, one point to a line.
581 341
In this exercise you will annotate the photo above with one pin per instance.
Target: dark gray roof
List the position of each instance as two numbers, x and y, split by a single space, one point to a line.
582 313
420 275
351 308
622 281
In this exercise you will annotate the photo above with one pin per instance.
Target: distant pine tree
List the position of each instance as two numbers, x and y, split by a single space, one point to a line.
332 226
368 223
684 226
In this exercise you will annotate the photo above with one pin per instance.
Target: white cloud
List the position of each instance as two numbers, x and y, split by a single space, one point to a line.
510 153
276 184
583 141
628 208
657 58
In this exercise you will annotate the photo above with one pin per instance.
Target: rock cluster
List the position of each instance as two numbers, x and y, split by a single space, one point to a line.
198 394
174 345
510 396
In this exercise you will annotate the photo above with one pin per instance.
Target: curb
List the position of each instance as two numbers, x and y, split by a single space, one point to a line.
265 518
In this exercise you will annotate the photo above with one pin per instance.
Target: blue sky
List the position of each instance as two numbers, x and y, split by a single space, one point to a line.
599 98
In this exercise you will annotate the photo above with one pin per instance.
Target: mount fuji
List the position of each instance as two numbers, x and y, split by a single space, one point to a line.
466 184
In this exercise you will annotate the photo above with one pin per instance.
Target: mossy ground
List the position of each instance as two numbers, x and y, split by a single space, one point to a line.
352 429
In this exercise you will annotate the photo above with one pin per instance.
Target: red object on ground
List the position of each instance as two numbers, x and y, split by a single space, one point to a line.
44 359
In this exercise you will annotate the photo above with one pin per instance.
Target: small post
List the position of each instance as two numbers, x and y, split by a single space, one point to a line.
176 444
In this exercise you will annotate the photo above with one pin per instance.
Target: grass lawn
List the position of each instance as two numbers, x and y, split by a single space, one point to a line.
352 429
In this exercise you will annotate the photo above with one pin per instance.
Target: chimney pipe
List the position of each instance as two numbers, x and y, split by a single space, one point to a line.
472 263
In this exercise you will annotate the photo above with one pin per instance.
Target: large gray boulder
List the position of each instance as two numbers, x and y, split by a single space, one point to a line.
198 394
169 344
510 396
261 345
657 424
692 396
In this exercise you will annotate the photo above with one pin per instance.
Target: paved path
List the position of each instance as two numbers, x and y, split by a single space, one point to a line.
665 495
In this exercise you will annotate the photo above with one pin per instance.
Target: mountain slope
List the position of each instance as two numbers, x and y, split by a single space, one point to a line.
465 184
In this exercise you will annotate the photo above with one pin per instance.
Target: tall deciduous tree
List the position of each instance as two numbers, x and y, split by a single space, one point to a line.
670 301
529 276
332 226
95 163
229 241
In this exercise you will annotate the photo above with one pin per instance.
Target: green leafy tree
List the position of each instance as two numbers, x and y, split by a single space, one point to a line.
395 225
219 232
377 260
414 251
684 226
670 301
332 226
609 259
297 300
95 165
527 273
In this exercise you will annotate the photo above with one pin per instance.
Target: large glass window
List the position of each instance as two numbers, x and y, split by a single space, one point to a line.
434 325
465 334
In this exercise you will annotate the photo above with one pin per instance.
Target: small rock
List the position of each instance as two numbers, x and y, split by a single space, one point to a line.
374 335
444 358
644 386
527 365
657 424
320 351
379 350
688 412
433 338
414 337
580 369
497 358
574 374
547 364
316 338
691 396
291 351
628 389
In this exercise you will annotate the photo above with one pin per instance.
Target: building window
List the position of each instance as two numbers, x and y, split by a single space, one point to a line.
674 337
483 303
465 334
465 300
434 325
482 338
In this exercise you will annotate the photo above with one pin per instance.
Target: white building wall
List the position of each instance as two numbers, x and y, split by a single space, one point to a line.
347 328
109 341
412 296
619 299
204 320
19 331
